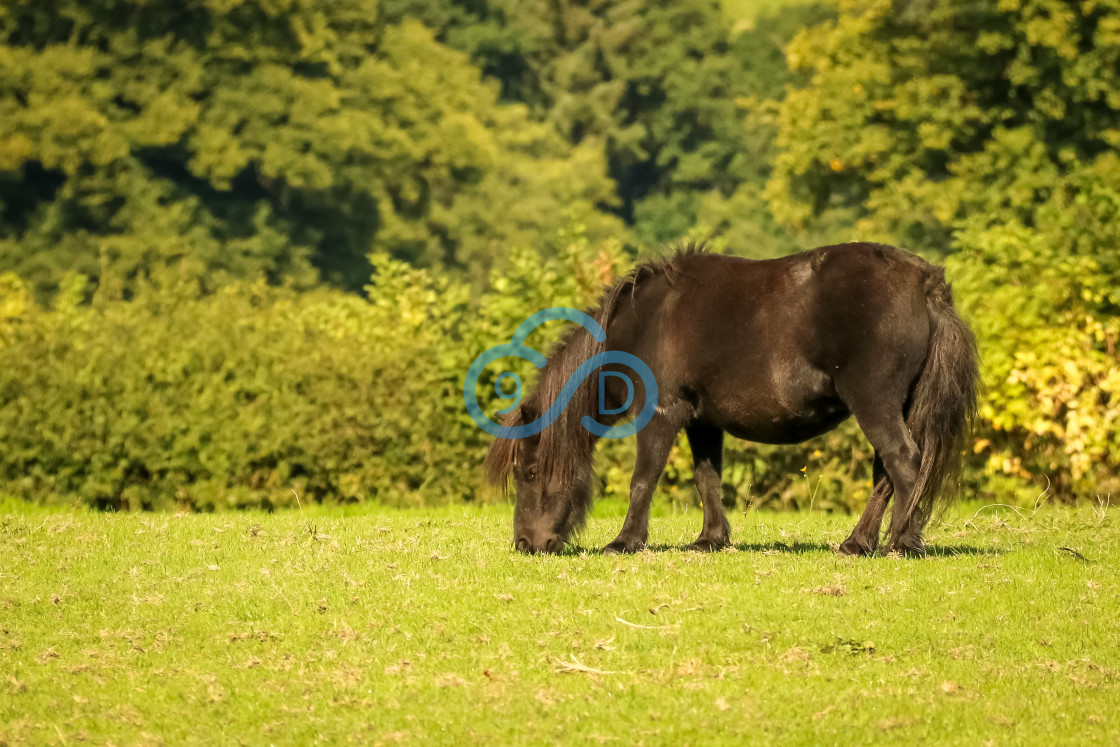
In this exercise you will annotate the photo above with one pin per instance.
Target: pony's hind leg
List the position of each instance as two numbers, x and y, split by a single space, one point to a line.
654 443
707 459
864 539
885 428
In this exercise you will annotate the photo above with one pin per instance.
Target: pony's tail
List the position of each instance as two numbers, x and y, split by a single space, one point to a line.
943 401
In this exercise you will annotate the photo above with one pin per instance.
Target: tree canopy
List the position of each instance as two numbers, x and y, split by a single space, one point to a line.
920 114
273 137
664 84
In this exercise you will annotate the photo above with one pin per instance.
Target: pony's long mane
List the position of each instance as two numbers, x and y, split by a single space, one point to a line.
565 446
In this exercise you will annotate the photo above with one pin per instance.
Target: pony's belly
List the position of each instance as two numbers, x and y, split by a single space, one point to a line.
773 426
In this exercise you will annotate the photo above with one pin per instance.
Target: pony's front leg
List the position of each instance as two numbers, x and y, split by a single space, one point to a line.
707 461
654 443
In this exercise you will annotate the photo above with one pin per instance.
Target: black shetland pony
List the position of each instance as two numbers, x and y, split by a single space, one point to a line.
775 351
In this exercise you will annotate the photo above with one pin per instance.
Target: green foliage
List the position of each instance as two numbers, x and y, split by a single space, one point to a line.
663 85
918 114
745 13
176 182
293 139
735 216
252 395
986 129
253 137
1047 307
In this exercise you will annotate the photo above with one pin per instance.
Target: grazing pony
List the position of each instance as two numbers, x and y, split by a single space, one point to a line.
775 351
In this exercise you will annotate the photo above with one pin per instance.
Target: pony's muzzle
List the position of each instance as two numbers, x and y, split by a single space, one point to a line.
552 544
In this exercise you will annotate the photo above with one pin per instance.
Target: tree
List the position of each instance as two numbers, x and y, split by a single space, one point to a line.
663 84
918 113
250 137
984 130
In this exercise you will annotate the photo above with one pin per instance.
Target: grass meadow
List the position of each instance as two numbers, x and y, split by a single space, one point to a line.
423 627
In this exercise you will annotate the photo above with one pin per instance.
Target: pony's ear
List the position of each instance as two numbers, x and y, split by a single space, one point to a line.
500 460
503 452
527 413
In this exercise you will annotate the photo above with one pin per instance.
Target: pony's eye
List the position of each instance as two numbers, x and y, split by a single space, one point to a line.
532 473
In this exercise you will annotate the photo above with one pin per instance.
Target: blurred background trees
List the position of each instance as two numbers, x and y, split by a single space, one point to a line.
195 197
289 139
984 133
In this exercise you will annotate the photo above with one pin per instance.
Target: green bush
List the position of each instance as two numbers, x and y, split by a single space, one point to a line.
1045 302
254 395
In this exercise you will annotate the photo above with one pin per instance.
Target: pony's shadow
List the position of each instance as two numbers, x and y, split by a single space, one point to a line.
763 548
806 548
790 548
949 551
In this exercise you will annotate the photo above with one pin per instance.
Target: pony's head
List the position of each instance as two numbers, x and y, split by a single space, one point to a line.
552 479
551 471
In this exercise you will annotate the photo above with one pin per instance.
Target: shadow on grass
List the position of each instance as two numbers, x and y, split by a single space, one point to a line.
801 548
797 548
949 551
792 548
805 548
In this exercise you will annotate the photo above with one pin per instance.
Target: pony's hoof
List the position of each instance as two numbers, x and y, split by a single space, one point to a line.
706 544
909 550
852 546
622 548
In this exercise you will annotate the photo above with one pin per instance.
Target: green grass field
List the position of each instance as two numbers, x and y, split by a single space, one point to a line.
423 627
